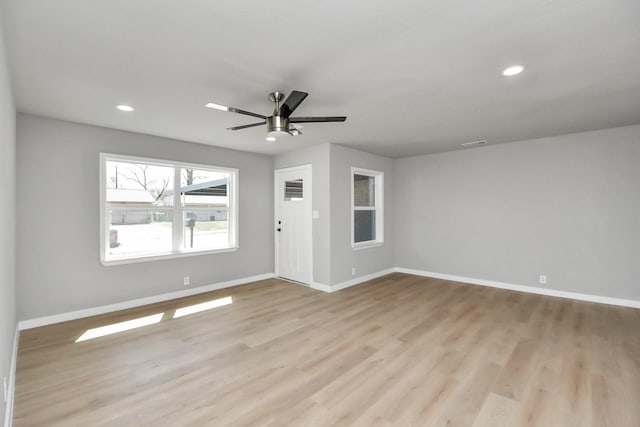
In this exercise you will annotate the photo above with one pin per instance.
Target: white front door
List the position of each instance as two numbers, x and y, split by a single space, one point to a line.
293 224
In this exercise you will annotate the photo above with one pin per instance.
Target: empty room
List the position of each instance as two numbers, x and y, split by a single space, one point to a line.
410 213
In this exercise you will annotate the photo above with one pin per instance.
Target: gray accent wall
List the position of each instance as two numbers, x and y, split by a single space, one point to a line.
318 157
566 206
59 267
343 256
7 222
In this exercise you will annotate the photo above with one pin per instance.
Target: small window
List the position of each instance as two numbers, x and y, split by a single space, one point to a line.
366 208
293 190
145 218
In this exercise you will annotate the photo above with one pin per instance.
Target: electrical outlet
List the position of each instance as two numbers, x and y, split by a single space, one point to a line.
543 279
187 280
353 271
6 389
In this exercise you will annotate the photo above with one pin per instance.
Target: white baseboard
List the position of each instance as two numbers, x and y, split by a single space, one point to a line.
361 279
8 409
522 288
63 317
321 287
352 282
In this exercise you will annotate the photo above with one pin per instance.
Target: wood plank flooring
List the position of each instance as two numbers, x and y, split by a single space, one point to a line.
400 350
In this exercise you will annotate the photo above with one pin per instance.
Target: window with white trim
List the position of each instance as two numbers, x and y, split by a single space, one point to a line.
144 217
367 216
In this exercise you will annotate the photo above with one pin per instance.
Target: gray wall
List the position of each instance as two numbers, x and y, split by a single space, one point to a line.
566 206
343 257
318 157
332 252
58 219
7 221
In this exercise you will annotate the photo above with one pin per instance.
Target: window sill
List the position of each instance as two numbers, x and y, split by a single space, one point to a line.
160 257
365 245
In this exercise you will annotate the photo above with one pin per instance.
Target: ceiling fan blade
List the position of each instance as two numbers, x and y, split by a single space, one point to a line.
246 126
234 110
294 99
317 119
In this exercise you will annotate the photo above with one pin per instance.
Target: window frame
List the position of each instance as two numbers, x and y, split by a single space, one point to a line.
378 207
177 250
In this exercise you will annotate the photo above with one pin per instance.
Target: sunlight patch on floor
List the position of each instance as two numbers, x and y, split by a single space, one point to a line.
196 308
120 327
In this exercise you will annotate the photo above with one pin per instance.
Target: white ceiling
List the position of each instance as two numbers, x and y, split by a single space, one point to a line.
413 77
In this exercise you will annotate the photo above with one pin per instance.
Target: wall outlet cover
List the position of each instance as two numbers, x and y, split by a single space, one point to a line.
543 279
187 280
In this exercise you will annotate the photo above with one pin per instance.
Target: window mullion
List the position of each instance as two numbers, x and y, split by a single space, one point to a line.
178 221
231 185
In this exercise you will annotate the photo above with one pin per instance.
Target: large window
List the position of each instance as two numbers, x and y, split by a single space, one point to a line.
367 220
153 209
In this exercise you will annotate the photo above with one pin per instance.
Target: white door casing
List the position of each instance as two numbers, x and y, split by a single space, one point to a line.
293 224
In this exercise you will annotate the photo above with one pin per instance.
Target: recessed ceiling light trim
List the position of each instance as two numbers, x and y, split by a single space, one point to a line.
126 108
513 70
473 143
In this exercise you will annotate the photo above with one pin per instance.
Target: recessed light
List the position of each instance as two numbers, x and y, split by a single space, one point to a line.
270 138
126 108
513 70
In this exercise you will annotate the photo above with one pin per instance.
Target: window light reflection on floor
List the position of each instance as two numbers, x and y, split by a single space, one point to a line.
196 308
120 327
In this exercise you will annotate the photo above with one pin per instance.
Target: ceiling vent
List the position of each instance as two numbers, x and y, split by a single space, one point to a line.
473 143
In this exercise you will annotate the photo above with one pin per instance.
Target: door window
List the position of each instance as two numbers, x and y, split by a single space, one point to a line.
293 190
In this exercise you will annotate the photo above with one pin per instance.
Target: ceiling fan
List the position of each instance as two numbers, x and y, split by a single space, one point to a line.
280 122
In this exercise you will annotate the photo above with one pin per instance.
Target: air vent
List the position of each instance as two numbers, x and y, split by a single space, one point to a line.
473 143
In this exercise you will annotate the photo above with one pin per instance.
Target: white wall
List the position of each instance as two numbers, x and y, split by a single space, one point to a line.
318 157
59 269
7 221
565 206
343 257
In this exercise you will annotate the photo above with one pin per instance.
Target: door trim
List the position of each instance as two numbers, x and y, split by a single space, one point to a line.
276 212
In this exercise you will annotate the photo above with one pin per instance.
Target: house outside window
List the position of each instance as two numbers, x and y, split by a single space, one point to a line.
367 213
144 218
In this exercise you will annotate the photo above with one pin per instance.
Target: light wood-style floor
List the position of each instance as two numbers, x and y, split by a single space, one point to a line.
400 350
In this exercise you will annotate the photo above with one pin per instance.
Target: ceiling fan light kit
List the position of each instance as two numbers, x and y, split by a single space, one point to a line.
280 122
277 125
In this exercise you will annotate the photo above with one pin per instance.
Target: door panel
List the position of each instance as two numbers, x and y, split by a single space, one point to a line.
293 224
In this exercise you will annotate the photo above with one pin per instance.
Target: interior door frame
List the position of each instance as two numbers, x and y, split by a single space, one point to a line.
276 214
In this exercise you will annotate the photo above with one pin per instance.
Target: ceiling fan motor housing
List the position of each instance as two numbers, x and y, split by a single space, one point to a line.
277 124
